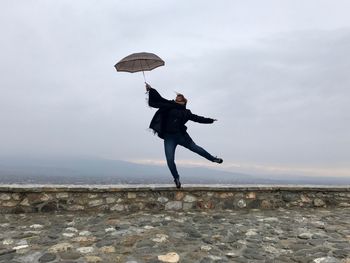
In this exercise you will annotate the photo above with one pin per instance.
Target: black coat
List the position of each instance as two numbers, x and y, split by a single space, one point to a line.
170 116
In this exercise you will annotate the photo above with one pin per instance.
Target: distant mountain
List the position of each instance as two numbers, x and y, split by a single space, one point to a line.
87 170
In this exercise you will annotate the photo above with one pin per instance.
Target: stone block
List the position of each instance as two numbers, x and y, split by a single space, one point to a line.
241 203
170 257
143 194
305 199
75 208
188 206
319 194
226 195
118 207
45 197
110 200
239 195
60 247
162 199
5 197
341 194
254 204
131 195
48 207
62 195
179 196
36 198
289 197
9 203
107 249
154 206
173 205
16 196
205 205
85 250
250 195
266 204
47 257
189 198
80 200
96 202
134 207
228 204
319 202
69 255
25 202
85 240
93 259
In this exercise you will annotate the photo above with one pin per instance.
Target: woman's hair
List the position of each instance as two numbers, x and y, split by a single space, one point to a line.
182 97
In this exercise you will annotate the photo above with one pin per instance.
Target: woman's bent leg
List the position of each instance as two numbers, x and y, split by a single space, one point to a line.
199 150
169 148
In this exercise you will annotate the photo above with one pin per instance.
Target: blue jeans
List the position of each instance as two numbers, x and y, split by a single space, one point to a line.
171 140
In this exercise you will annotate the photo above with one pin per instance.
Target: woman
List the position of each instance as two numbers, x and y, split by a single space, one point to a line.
169 123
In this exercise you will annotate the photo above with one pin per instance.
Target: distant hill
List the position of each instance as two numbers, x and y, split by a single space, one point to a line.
81 170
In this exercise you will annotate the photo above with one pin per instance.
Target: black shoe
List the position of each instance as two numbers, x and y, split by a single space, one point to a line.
218 160
177 182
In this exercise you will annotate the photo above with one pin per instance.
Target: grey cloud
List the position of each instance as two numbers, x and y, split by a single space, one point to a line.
291 104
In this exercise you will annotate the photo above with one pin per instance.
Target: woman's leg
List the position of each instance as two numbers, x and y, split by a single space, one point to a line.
199 150
169 148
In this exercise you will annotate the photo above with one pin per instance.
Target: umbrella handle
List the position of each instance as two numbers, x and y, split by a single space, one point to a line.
144 76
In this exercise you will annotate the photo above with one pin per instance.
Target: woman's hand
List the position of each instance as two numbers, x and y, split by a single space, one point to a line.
148 87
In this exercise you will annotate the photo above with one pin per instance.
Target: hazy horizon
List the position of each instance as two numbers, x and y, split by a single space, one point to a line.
89 170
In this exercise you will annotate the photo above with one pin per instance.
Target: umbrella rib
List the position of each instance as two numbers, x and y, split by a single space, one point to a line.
133 64
141 65
149 68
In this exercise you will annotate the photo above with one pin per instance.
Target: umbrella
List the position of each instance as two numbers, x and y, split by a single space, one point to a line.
139 62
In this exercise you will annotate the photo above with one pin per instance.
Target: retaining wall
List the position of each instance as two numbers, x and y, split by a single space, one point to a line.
132 198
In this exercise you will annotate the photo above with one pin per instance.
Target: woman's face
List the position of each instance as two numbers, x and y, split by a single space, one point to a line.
181 99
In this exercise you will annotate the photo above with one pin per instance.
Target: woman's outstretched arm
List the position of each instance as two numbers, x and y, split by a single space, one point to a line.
155 100
200 119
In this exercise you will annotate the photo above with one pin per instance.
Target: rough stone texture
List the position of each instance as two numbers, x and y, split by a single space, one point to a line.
60 247
22 199
319 202
189 198
241 203
299 234
117 207
4 196
47 257
110 200
173 205
97 202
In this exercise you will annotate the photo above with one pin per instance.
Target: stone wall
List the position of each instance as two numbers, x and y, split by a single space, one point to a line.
21 199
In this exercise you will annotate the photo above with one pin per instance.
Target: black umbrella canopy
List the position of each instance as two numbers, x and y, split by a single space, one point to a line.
136 62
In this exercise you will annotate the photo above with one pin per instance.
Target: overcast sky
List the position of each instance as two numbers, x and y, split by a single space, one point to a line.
274 73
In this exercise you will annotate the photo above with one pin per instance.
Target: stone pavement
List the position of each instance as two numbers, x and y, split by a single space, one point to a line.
282 235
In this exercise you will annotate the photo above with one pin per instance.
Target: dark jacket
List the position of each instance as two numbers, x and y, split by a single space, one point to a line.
170 116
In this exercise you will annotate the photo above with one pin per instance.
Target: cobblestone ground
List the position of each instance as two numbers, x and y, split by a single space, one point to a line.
283 235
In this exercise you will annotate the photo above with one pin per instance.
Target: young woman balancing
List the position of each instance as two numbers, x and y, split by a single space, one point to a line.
169 123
